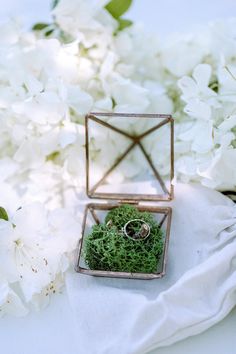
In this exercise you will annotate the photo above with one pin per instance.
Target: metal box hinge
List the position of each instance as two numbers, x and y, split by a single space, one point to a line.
128 201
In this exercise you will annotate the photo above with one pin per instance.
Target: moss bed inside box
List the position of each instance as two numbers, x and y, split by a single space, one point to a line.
108 248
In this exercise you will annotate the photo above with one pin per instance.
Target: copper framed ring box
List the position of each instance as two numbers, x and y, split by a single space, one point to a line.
124 152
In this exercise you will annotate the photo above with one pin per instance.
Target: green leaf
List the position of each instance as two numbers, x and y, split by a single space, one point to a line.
118 7
123 23
49 32
113 103
3 214
40 26
54 3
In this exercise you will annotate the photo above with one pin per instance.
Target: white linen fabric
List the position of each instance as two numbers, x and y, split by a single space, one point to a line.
122 316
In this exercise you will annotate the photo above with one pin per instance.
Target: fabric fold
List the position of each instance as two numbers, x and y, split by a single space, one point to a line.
134 316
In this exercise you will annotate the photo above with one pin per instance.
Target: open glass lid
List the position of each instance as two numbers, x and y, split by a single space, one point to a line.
129 156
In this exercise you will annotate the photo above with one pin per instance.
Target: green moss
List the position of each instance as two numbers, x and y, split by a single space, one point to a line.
107 248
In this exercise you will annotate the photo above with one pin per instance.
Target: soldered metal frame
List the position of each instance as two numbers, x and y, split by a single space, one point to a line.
135 141
134 199
92 207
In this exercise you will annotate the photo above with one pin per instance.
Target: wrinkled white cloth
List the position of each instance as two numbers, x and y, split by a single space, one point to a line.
122 316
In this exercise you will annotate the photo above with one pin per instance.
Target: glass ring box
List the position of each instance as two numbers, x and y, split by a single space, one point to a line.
130 169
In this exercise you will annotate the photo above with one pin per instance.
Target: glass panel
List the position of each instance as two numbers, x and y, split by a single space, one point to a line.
123 151
96 214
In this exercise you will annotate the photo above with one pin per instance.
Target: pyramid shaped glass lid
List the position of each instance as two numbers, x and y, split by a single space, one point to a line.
129 156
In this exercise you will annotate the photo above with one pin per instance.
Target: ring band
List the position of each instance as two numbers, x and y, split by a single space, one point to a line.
143 232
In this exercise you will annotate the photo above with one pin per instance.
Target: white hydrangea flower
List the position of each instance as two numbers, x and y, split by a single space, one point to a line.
139 54
129 97
79 100
228 124
181 55
44 108
200 136
9 196
227 82
198 86
212 123
159 100
196 92
74 16
221 174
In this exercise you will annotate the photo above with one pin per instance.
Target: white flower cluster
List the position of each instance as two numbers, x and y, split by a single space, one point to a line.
50 79
35 250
